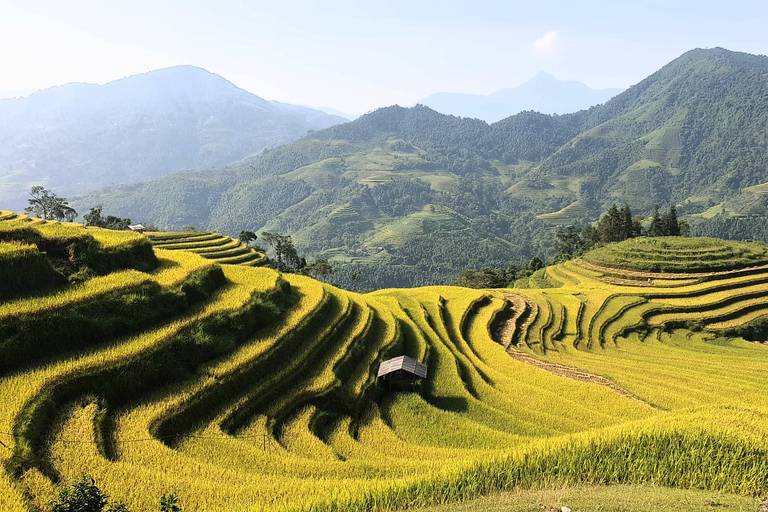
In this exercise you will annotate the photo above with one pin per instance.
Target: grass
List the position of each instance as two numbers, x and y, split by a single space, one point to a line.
567 215
679 254
722 209
549 186
758 190
432 218
615 498
213 246
259 393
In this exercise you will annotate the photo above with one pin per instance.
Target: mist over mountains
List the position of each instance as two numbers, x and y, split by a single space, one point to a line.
413 196
82 136
542 93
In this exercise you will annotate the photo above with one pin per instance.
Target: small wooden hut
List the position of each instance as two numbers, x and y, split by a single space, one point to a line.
138 228
401 370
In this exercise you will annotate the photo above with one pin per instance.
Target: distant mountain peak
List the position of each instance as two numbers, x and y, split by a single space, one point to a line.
79 136
543 76
543 93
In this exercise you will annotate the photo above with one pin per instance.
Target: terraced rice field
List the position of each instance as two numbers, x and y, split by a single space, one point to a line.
257 391
568 214
212 246
20 217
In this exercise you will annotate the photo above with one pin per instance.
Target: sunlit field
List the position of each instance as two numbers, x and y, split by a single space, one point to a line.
237 388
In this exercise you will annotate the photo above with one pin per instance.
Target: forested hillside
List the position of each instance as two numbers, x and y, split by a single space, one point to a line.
82 136
411 196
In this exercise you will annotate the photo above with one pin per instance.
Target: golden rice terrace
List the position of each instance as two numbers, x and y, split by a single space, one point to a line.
157 370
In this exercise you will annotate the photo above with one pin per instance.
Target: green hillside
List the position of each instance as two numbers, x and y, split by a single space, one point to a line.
691 134
237 388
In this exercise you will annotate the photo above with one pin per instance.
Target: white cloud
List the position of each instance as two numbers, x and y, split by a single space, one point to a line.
546 45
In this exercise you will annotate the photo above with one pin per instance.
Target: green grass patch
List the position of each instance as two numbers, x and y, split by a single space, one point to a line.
432 218
614 498
718 209
567 215
679 254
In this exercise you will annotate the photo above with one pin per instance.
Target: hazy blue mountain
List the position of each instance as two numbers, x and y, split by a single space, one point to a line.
81 136
542 93
410 196
335 112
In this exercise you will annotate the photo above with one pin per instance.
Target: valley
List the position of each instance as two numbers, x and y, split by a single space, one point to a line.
384 196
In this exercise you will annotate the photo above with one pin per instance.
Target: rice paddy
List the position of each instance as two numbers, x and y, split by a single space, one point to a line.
212 246
255 391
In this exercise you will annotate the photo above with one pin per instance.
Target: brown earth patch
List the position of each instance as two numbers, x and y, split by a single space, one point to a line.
569 372
503 332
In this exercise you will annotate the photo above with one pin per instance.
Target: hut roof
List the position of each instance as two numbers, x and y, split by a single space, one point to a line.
404 363
137 227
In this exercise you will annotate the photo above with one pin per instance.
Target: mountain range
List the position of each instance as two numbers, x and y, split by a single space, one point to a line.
543 93
82 136
412 196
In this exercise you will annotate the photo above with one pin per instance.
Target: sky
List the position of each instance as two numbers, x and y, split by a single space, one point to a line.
358 55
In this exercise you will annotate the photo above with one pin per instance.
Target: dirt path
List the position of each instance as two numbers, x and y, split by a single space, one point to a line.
570 372
503 333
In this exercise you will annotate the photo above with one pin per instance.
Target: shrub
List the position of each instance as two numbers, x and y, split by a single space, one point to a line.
84 496
169 503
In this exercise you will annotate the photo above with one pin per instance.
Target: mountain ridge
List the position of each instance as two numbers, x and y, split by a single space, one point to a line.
542 93
79 136
413 196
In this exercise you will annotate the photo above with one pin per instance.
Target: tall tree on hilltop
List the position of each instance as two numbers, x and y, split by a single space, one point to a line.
318 269
46 205
669 223
656 228
247 237
286 257
625 223
616 225
607 225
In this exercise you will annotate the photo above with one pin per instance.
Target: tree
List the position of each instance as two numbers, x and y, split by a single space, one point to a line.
656 228
616 225
318 269
40 203
287 259
669 223
609 226
625 223
484 278
94 218
247 237
568 241
666 224
535 264
84 496
46 205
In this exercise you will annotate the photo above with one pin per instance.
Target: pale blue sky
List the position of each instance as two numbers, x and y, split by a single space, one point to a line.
359 55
